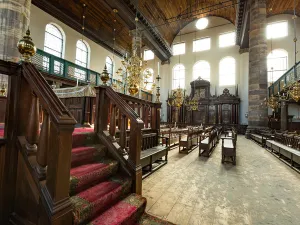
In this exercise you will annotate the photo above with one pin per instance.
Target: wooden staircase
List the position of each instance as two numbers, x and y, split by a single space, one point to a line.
53 174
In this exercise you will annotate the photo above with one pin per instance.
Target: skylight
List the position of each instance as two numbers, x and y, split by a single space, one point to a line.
202 23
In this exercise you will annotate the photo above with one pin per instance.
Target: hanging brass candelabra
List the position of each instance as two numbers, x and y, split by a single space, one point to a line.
295 91
177 97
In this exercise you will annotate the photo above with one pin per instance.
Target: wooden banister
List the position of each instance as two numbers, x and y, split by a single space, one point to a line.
54 144
106 96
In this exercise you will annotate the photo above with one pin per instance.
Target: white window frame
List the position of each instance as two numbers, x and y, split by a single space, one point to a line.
148 54
279 65
182 52
195 70
199 48
221 45
223 73
281 34
178 82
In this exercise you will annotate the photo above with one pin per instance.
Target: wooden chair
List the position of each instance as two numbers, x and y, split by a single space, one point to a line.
229 147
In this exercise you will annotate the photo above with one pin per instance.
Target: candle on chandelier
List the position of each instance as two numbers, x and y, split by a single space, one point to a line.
157 67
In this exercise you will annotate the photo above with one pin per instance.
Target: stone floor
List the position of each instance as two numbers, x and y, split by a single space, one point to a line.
194 190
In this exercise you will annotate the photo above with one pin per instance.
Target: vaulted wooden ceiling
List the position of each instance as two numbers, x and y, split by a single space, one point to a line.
160 20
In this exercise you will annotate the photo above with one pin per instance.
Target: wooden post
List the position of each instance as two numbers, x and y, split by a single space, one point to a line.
102 106
112 125
43 147
32 132
123 132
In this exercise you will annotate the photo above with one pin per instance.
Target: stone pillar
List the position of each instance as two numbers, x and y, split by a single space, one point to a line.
257 64
284 116
14 21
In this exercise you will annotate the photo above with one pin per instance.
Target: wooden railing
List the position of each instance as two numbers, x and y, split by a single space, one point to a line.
45 151
105 126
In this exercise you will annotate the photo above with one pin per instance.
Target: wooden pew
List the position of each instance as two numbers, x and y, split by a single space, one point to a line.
229 147
208 142
190 140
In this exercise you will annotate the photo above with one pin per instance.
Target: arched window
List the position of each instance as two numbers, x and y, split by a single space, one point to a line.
277 62
178 76
227 71
109 65
148 78
82 54
54 41
202 69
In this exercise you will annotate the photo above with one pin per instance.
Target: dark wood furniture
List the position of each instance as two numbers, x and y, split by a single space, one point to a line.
172 135
209 141
213 110
229 147
190 140
3 101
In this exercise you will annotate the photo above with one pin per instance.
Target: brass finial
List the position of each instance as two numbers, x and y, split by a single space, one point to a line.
105 76
26 47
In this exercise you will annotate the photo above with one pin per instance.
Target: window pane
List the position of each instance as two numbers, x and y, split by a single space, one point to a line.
202 69
277 30
277 62
53 41
148 78
227 39
227 71
179 49
148 55
201 45
109 65
81 54
178 76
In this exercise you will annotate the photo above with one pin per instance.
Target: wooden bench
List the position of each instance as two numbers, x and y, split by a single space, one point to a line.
190 140
153 151
172 135
282 150
208 142
229 147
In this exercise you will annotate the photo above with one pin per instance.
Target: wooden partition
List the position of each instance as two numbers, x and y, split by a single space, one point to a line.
3 101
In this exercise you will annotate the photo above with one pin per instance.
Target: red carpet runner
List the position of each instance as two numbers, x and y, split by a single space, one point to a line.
99 192
1 130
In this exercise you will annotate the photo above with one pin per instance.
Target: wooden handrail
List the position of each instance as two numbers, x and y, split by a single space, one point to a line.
106 96
49 100
52 144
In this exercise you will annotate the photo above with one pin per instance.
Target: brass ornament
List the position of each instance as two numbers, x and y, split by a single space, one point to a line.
133 89
26 47
273 102
177 97
295 91
104 76
2 90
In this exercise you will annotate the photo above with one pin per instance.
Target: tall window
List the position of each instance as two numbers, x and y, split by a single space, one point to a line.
148 55
148 78
227 71
202 69
178 76
179 49
53 41
277 30
82 55
109 65
277 62
227 39
201 44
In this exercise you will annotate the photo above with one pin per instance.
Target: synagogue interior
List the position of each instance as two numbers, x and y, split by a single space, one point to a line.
153 112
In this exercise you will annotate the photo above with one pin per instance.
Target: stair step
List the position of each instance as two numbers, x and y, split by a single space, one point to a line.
87 154
85 137
90 174
125 212
95 200
152 220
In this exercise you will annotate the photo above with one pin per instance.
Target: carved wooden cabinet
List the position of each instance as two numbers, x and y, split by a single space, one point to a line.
3 101
207 109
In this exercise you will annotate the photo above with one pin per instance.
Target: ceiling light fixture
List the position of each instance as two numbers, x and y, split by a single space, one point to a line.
202 23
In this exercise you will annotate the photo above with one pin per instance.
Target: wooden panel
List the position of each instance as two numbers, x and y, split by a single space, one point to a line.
27 193
3 101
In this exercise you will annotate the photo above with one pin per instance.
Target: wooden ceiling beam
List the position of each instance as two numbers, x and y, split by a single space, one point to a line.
101 38
152 37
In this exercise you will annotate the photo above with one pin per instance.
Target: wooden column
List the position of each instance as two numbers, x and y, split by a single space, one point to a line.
284 116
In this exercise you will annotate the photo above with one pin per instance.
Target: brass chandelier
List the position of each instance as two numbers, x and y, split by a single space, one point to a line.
177 97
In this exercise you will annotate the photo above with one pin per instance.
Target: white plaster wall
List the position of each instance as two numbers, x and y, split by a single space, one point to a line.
38 21
286 43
